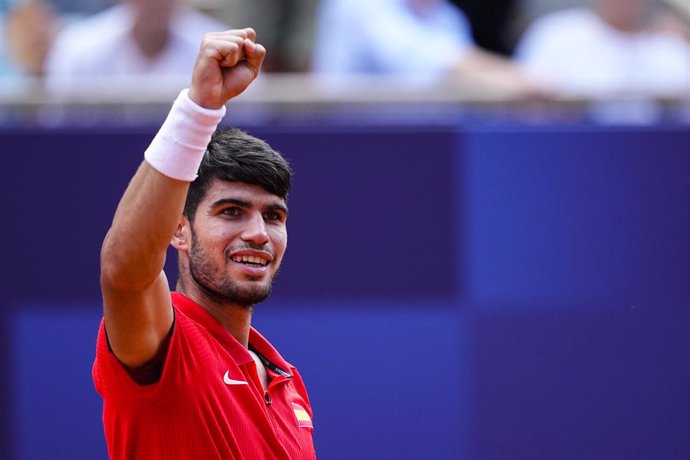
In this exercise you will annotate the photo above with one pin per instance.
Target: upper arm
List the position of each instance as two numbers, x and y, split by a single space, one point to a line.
137 307
137 321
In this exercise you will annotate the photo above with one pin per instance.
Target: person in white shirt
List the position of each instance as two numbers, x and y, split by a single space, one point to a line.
606 50
154 39
386 37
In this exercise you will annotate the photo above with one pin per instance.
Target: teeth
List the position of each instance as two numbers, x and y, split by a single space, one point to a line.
251 260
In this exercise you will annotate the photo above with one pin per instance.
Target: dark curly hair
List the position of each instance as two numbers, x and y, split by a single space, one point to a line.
235 155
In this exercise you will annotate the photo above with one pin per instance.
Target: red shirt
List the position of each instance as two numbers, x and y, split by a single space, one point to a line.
208 403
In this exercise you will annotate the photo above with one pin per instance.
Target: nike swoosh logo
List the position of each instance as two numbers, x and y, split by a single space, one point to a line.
229 381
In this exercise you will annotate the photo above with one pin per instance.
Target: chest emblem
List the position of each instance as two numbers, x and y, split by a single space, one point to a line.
303 418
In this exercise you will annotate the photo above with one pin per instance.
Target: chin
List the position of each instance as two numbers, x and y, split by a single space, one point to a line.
248 296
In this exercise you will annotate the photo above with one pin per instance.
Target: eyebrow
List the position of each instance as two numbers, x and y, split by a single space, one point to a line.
247 204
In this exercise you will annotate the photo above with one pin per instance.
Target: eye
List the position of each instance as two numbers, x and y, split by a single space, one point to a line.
272 215
231 212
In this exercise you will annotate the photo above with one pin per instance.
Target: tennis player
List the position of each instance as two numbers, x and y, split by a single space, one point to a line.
183 375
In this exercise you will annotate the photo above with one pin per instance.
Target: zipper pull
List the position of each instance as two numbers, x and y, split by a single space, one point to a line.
267 397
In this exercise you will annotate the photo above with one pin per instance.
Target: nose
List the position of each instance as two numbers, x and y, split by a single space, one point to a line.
255 230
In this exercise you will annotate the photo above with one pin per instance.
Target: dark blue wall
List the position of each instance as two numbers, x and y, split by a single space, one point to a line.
474 292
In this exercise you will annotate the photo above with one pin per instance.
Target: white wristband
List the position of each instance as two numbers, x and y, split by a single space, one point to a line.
179 146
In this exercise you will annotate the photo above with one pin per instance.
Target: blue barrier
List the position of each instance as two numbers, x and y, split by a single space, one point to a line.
448 292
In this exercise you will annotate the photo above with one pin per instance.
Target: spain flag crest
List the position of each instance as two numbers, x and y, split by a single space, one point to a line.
302 416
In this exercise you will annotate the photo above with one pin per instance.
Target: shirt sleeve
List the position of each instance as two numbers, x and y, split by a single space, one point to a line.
112 379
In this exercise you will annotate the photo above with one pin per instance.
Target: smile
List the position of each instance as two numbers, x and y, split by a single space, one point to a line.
250 260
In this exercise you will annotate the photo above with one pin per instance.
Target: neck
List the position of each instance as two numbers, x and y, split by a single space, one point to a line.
236 319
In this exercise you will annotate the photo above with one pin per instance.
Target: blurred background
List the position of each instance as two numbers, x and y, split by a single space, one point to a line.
490 223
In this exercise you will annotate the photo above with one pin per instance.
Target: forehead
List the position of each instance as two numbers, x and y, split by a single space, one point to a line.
254 194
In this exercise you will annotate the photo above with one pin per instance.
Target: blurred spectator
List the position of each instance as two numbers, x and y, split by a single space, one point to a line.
418 41
491 21
284 27
135 38
527 11
606 49
8 67
29 29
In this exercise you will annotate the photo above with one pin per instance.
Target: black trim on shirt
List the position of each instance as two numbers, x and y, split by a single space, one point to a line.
272 366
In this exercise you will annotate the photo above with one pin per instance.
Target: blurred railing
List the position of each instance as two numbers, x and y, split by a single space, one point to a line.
294 96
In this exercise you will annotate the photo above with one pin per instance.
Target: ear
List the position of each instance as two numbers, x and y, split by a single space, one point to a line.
181 240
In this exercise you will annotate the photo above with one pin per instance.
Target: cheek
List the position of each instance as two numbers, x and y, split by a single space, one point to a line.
221 234
279 240
214 243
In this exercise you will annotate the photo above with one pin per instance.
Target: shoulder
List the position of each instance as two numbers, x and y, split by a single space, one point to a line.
569 21
556 32
669 59
186 342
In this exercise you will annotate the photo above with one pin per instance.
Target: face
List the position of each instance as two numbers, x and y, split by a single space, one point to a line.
625 14
154 13
237 242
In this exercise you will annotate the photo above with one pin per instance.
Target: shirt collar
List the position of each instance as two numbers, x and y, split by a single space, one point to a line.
200 315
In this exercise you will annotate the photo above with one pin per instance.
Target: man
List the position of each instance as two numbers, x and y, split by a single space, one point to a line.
606 49
152 41
188 377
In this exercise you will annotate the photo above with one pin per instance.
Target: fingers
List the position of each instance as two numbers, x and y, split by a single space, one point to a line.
230 47
243 33
226 50
251 33
254 54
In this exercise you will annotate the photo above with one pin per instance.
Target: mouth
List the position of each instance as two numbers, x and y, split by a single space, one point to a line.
251 260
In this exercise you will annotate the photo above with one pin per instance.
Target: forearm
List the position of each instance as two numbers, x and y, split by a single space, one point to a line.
498 75
151 208
480 61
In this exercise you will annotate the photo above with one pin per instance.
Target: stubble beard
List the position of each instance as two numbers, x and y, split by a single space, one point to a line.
218 286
